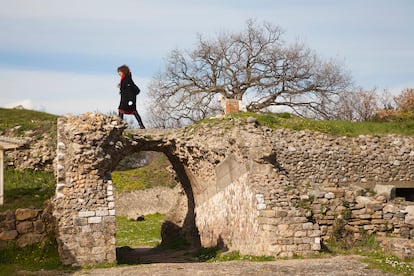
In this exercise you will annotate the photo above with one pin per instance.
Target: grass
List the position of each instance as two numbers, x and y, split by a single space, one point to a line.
215 254
31 258
27 188
25 120
146 233
151 175
335 128
373 255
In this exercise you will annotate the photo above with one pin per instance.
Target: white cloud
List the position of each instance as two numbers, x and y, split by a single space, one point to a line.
26 103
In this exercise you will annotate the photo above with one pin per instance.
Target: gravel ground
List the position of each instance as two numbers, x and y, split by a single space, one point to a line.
339 265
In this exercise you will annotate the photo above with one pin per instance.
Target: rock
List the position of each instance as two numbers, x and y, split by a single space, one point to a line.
24 214
390 208
409 218
8 235
387 190
363 200
24 227
251 120
29 239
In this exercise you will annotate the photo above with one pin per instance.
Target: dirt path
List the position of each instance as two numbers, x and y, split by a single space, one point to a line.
339 265
152 262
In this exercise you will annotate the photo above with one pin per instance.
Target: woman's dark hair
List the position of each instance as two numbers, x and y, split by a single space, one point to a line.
124 69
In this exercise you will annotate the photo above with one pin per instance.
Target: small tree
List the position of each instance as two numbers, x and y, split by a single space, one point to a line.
405 101
255 66
401 110
361 105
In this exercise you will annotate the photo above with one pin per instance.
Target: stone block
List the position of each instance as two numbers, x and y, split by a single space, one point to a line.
359 222
85 214
374 206
291 247
24 227
25 214
317 245
29 239
390 208
101 213
378 221
80 221
267 213
268 227
351 228
300 234
386 190
8 235
359 212
7 225
304 247
280 213
363 216
307 226
94 219
409 218
314 233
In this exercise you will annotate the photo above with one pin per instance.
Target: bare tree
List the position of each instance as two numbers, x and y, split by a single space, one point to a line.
405 101
360 105
255 66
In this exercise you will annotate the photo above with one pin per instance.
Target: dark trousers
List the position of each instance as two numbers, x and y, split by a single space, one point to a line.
141 125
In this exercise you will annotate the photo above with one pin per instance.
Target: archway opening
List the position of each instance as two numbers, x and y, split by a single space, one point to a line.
407 193
154 209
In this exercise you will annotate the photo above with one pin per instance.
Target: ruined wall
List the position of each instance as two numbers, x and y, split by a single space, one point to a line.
84 205
248 187
25 227
293 188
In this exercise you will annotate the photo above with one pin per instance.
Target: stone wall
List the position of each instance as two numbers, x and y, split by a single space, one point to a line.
25 227
301 182
249 188
84 205
311 157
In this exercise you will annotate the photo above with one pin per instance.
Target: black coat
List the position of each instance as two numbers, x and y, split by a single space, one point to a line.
128 91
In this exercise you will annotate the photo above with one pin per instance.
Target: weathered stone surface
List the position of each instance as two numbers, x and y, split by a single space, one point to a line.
8 235
29 239
237 192
24 214
409 218
24 227
387 190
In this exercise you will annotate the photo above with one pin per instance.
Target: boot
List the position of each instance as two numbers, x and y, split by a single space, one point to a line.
141 125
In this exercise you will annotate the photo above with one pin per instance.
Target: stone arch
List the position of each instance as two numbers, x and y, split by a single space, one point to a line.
255 190
172 227
89 148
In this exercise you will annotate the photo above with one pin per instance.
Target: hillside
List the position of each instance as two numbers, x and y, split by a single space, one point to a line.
332 127
22 122
39 131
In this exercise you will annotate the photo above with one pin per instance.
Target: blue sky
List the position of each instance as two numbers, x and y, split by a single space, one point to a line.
61 56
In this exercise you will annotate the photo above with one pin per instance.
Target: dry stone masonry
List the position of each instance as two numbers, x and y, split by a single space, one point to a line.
25 227
84 203
248 187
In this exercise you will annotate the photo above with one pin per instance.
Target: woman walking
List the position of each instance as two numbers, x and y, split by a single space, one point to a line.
128 91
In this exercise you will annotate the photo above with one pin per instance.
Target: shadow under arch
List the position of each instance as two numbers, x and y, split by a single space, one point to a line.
189 230
171 232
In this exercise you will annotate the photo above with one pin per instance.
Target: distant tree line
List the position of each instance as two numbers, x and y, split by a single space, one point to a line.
372 105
